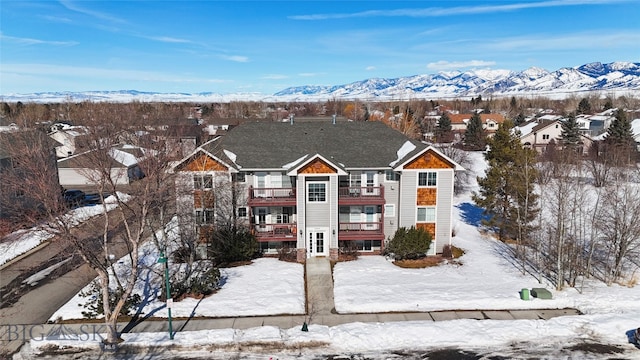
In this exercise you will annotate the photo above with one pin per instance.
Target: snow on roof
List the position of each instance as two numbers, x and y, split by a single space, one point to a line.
526 129
550 117
123 157
231 156
635 129
295 162
405 149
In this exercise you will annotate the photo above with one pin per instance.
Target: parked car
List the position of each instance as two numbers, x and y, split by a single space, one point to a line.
73 198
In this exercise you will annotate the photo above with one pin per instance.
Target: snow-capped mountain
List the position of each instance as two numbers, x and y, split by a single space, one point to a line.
614 78
619 77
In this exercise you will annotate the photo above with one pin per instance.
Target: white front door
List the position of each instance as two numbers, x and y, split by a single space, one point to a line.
317 243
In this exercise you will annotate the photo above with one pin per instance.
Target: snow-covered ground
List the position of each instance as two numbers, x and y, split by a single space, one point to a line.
484 279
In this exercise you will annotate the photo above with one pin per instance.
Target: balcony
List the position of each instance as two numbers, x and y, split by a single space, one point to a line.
368 195
272 196
361 231
275 232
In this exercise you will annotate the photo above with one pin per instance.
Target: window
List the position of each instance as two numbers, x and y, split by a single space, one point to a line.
545 137
390 175
427 179
389 210
426 214
242 212
205 216
317 192
241 177
203 181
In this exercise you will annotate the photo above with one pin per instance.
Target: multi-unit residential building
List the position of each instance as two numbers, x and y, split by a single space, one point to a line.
318 186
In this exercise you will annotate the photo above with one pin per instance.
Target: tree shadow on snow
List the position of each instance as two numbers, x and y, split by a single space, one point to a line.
149 294
472 214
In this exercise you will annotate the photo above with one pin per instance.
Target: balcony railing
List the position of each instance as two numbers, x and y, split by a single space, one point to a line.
361 195
361 230
275 232
272 195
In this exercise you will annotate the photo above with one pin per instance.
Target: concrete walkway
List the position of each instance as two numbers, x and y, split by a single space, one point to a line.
319 280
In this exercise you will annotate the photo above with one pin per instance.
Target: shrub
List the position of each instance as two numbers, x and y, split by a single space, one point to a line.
229 244
349 251
94 307
289 254
203 281
412 243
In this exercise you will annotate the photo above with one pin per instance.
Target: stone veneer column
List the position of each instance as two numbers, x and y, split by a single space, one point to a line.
301 255
333 254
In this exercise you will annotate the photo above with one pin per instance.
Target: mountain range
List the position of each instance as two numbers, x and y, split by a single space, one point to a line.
619 78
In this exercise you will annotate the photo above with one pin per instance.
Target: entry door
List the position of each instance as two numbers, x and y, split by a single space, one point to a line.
317 243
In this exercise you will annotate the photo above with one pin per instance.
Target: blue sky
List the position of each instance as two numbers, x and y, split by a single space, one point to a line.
266 46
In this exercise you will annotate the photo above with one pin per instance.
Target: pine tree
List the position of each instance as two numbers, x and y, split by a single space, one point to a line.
620 142
519 119
474 136
507 190
584 107
619 133
570 132
443 131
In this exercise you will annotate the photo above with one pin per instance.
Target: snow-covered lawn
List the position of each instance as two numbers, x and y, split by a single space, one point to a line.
265 287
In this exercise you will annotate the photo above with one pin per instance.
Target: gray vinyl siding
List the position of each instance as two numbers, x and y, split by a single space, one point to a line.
408 197
391 196
317 214
333 216
443 209
301 200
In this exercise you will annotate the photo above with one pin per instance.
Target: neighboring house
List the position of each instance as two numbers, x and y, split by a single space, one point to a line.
71 139
538 134
318 187
490 122
635 129
21 153
79 171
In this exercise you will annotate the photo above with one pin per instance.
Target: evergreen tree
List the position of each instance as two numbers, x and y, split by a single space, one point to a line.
619 133
584 107
474 136
620 142
519 119
570 132
507 190
444 132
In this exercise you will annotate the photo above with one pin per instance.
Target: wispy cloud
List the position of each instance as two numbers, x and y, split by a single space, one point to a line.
458 10
274 77
447 65
575 41
56 19
370 68
31 41
236 58
168 39
70 5
309 74
91 73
